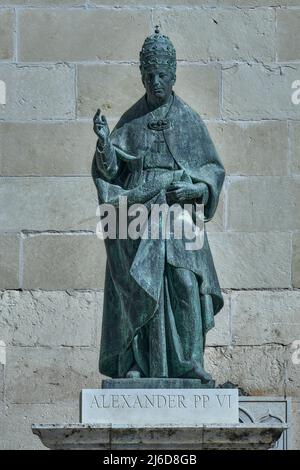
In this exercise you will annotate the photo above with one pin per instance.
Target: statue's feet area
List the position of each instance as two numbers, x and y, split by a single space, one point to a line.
200 373
197 372
134 372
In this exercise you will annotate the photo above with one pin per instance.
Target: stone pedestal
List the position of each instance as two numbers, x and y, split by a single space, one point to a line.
262 423
126 437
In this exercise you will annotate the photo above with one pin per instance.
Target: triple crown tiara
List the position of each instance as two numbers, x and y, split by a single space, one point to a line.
157 50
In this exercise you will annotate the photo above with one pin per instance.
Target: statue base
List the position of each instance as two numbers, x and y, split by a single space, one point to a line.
151 382
264 423
128 437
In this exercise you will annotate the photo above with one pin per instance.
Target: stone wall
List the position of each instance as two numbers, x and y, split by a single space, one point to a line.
61 60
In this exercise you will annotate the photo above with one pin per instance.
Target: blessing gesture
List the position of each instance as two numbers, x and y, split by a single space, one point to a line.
101 128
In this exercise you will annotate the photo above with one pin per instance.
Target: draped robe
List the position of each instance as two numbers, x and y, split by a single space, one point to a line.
137 270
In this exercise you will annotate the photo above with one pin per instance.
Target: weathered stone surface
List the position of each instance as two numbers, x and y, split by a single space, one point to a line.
2 373
221 3
268 410
199 86
50 3
259 3
112 88
262 204
9 262
46 149
220 335
50 318
263 317
296 425
60 262
16 421
294 131
288 34
293 372
261 436
296 260
39 92
252 148
6 34
2 352
252 260
50 375
48 203
258 371
259 92
72 35
220 34
217 223
239 436
1 385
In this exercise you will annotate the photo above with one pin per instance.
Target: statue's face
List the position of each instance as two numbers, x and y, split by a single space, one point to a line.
158 82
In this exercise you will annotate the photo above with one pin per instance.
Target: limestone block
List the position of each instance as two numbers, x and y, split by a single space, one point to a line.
38 92
259 92
288 34
80 34
252 148
6 34
294 129
2 372
262 204
199 87
221 34
9 261
296 260
46 149
252 260
2 352
261 317
48 203
50 3
296 425
258 3
60 262
51 319
50 375
16 421
191 3
293 371
259 370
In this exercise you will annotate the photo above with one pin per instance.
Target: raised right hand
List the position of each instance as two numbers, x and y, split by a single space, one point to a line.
101 128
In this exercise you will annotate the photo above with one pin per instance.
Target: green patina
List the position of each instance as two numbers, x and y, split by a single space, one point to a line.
160 299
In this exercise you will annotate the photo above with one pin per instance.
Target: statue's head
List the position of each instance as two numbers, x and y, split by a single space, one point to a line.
158 66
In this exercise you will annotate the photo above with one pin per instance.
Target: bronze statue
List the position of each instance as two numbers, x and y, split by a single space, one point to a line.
160 299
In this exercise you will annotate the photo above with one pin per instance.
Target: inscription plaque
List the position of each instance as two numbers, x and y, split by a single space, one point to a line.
160 406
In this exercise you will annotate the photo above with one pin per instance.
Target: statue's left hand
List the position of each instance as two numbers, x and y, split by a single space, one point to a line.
180 191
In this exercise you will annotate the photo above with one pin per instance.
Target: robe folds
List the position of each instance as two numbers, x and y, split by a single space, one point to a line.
136 269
